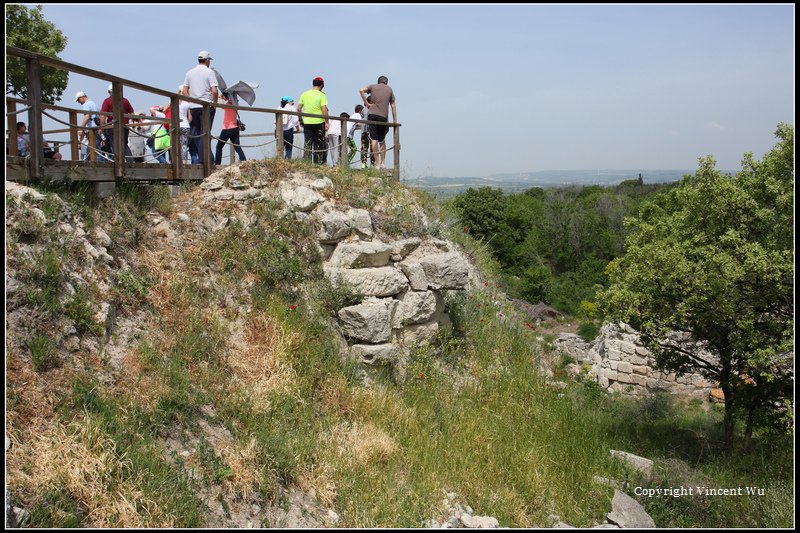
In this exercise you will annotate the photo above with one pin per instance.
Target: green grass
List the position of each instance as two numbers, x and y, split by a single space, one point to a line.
473 415
43 353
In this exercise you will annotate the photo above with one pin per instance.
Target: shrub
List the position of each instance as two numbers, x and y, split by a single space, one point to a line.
588 331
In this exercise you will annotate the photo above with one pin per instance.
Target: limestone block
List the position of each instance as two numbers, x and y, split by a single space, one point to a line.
625 367
361 254
370 321
417 307
624 378
415 274
627 348
375 353
418 333
641 370
479 522
628 513
334 226
445 271
613 365
383 281
638 379
361 222
641 464
300 198
404 247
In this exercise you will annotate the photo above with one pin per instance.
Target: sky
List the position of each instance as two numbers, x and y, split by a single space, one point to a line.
480 89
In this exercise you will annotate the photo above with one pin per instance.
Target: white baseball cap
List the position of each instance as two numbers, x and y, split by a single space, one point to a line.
110 87
204 55
79 94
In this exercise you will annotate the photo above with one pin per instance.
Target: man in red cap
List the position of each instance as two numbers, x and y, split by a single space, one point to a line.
314 101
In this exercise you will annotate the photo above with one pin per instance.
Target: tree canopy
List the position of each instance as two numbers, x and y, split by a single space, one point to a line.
28 29
713 261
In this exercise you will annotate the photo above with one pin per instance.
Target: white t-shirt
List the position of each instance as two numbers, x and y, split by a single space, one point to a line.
334 127
356 125
200 80
183 111
290 121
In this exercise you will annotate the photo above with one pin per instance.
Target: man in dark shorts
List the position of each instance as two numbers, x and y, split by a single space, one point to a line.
381 98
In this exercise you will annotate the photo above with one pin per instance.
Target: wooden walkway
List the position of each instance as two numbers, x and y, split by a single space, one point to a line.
36 166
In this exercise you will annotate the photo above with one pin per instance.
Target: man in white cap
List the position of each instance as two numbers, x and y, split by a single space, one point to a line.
200 83
127 109
90 120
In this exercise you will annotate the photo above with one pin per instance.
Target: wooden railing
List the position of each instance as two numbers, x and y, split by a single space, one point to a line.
120 169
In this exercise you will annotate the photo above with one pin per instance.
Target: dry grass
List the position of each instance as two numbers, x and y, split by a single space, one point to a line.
318 481
363 443
79 458
246 478
139 383
260 359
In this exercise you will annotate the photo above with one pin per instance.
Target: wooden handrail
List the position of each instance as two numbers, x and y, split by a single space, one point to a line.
34 61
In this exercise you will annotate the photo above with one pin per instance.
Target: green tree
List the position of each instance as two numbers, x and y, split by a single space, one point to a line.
28 29
483 212
712 261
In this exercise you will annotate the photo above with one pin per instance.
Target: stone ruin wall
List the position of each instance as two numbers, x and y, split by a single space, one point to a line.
400 284
620 363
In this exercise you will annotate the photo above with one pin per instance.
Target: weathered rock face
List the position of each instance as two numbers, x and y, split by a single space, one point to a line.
622 364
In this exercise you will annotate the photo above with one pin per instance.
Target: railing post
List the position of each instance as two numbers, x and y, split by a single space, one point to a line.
396 172
75 153
344 159
176 160
12 127
92 145
34 116
119 130
206 140
279 135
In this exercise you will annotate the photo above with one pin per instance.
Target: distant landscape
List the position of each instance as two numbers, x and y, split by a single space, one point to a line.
451 186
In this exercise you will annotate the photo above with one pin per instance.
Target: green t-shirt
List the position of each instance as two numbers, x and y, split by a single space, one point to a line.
312 101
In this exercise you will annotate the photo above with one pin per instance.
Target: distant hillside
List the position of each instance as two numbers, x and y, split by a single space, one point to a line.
446 186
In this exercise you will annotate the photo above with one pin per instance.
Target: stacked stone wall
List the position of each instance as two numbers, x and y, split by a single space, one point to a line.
622 364
401 284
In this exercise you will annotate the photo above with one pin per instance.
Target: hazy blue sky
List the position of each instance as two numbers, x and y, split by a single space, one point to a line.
481 89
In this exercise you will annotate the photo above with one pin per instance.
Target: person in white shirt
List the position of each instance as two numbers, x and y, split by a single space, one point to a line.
365 142
200 83
334 135
291 125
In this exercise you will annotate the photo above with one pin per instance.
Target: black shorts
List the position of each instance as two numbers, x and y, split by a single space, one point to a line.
376 131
